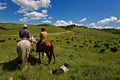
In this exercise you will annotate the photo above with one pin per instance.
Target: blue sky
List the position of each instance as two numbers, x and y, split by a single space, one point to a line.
90 13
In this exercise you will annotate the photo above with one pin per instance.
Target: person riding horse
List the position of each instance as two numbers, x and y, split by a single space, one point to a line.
43 36
24 33
45 46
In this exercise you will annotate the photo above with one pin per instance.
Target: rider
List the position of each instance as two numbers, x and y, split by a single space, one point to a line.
43 36
24 33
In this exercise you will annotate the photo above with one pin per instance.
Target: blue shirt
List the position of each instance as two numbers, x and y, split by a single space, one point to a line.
24 33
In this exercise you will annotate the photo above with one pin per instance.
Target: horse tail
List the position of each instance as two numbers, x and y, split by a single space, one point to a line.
52 51
24 59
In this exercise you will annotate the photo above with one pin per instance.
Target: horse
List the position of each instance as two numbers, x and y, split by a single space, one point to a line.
24 48
47 47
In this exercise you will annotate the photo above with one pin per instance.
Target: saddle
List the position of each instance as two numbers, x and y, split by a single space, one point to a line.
24 38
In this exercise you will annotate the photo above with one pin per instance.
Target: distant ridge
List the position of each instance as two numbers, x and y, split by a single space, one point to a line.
114 31
9 26
69 27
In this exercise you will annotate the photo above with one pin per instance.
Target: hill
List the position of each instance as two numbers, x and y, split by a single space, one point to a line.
114 31
92 54
12 28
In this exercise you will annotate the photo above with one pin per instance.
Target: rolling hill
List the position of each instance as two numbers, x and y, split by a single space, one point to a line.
92 54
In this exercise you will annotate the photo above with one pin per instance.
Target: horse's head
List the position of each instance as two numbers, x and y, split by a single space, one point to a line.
33 39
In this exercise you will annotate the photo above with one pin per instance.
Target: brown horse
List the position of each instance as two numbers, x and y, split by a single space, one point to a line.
48 47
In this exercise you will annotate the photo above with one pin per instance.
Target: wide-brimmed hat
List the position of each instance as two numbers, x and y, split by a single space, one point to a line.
25 25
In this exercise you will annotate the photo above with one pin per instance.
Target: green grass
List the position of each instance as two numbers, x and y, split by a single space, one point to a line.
13 29
76 48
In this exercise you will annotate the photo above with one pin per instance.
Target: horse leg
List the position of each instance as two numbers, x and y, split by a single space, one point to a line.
52 54
37 47
52 51
42 54
39 58
32 47
49 59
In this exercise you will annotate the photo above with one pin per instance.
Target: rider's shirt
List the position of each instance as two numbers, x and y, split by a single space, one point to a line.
43 36
24 33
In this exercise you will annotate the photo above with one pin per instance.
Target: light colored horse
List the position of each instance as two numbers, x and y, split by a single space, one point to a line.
24 48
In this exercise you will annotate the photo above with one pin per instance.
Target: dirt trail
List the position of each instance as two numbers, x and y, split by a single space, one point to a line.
58 33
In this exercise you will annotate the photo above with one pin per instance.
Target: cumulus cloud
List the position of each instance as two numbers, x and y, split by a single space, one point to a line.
63 23
49 17
44 12
3 6
25 19
32 4
93 25
30 8
108 20
33 16
118 20
83 20
22 11
46 21
117 28
108 27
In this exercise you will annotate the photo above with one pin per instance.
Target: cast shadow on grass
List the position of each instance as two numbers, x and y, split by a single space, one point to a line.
10 65
3 28
15 64
32 60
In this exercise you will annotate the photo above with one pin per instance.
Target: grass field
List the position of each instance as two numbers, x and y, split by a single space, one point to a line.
92 54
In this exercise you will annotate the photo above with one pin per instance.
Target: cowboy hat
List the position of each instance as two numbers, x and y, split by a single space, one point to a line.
25 25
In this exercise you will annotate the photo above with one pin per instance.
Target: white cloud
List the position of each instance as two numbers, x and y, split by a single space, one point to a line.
117 28
93 25
25 19
83 20
3 6
22 11
44 12
35 15
32 4
30 8
46 21
49 17
108 20
118 20
63 23
108 27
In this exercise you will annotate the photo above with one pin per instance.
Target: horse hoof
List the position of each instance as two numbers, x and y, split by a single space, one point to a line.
23 69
